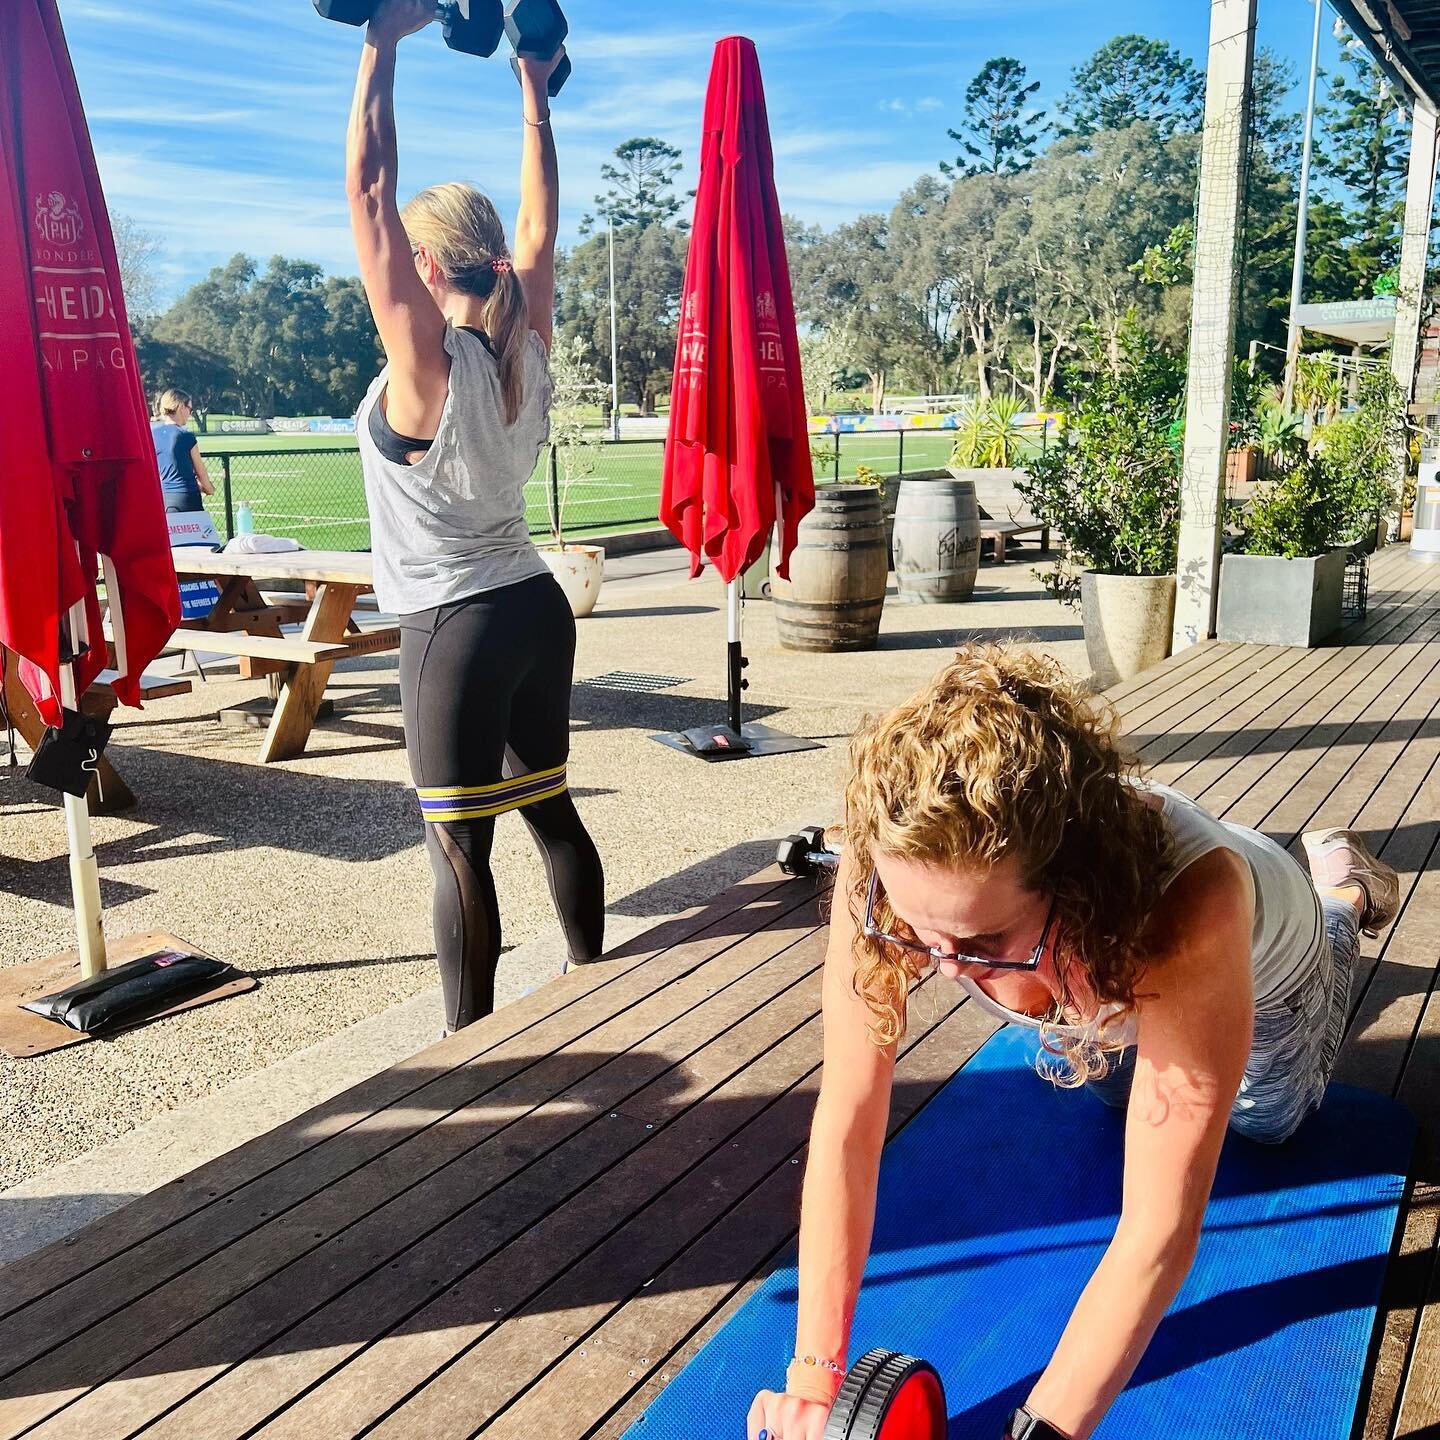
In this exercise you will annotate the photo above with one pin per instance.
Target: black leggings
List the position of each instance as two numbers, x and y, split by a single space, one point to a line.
485 691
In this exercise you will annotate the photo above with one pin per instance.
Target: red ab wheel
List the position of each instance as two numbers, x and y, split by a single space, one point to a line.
889 1397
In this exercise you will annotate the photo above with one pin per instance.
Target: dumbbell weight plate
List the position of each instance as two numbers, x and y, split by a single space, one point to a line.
887 1396
473 27
536 27
558 76
791 856
347 12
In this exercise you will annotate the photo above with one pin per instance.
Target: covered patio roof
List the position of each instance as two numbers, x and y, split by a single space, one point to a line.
1404 37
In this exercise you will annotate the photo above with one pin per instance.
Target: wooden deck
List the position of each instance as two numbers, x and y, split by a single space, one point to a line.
525 1230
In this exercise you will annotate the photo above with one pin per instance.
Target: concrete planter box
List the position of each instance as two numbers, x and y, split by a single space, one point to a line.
1128 621
1269 600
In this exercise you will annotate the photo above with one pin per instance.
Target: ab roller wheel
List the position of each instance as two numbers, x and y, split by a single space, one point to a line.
887 1396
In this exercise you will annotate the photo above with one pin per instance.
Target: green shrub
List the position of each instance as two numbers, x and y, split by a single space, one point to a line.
1110 489
988 436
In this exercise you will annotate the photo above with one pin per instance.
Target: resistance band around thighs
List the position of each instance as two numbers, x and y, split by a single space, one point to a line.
482 802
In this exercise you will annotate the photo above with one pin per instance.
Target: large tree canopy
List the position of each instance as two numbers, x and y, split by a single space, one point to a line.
1133 78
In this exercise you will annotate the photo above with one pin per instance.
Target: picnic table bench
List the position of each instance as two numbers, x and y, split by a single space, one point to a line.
999 533
108 792
247 623
527 1229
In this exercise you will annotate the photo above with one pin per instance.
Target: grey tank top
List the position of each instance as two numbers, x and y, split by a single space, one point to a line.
1289 932
453 525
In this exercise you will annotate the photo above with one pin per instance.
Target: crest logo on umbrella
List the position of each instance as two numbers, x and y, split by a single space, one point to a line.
57 218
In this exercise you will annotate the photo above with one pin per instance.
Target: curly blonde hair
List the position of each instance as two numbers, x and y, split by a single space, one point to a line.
1005 754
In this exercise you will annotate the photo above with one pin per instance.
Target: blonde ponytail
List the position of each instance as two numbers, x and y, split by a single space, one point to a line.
461 229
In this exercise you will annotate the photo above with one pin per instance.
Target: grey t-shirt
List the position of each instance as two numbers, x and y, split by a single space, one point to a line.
453 525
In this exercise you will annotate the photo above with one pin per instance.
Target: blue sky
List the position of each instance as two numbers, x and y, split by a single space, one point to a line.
219 124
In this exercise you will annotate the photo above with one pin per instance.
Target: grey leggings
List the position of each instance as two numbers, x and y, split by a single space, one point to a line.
1296 1041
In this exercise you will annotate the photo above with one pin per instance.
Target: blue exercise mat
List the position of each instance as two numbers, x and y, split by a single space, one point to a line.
997 1202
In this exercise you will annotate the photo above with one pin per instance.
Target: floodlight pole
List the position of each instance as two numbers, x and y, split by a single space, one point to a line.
615 340
1302 220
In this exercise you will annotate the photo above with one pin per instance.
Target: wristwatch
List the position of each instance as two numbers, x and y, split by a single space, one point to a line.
1022 1425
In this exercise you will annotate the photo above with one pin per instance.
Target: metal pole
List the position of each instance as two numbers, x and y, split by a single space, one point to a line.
900 464
555 496
615 342
84 870
229 497
837 457
1302 220
735 655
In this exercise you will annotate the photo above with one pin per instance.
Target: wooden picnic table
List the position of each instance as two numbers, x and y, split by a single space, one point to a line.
527 1229
332 581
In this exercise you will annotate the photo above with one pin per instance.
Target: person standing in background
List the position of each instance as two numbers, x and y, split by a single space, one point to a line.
183 477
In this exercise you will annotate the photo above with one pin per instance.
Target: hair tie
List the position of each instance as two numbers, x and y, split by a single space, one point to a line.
501 266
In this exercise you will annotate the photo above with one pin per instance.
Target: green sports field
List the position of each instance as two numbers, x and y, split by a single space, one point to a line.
309 487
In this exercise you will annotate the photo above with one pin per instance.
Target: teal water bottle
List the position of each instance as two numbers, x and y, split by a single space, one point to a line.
244 519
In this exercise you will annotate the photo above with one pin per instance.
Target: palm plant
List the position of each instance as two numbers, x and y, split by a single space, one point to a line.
989 435
1318 387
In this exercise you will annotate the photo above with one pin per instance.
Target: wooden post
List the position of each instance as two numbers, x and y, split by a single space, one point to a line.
1212 316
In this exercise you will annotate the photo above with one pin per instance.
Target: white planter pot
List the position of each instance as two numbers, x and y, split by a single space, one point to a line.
580 569
1128 621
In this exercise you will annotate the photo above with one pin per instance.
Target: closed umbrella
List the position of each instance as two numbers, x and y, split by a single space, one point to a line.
737 461
78 482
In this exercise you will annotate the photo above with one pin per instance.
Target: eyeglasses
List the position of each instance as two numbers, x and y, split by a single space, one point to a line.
937 956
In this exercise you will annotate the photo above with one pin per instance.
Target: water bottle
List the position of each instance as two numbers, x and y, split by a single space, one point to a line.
244 519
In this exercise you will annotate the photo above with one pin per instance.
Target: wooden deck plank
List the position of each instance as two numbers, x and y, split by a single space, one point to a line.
540 1219
727 1253
89 1253
360 1170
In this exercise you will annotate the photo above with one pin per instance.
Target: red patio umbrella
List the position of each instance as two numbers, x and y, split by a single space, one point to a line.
78 478
737 462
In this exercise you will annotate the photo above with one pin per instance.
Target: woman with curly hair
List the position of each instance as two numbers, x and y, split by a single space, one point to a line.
1187 970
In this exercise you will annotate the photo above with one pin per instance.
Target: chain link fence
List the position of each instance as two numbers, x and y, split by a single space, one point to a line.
316 495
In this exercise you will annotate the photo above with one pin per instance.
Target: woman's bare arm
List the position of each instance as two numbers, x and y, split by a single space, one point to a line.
1194 1041
538 222
411 327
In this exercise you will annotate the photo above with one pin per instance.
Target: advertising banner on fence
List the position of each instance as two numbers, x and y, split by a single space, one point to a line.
890 424
332 427
239 427
284 425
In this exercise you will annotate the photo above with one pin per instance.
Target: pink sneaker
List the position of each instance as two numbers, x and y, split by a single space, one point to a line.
1340 857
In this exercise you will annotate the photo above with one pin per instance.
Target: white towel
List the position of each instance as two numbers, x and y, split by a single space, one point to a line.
261 545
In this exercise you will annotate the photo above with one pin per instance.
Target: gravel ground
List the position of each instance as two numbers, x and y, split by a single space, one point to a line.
311 875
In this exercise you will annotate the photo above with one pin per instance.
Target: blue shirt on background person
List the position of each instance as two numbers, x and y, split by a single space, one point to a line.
183 479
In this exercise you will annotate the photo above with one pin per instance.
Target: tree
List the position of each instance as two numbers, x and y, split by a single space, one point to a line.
1366 152
294 342
137 251
352 351
1095 205
1131 79
849 277
175 365
649 277
1000 131
642 186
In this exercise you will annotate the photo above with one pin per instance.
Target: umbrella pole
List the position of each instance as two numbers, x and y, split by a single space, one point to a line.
84 869
737 657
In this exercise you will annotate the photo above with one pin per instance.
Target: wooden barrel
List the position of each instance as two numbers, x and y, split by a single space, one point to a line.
838 574
937 540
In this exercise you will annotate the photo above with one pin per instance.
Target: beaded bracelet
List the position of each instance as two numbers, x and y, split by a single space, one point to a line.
823 1364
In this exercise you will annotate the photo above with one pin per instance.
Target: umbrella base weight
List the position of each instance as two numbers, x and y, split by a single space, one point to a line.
753 740
24 1035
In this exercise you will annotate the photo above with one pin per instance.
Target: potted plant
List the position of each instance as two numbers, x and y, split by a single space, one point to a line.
1110 489
574 445
1284 582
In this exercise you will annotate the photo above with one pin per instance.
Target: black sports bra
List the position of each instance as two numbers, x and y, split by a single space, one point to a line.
396 447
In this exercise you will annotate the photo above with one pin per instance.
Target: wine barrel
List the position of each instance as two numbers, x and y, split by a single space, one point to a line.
937 540
838 574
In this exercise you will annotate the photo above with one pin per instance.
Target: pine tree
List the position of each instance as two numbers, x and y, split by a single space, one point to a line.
642 185
1000 131
1131 78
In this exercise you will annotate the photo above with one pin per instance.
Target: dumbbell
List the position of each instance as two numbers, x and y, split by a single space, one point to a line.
473 27
537 29
805 855
887 1396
